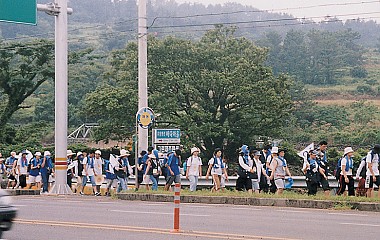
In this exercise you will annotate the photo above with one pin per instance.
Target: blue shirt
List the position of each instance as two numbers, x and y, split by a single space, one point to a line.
173 162
107 168
48 164
35 172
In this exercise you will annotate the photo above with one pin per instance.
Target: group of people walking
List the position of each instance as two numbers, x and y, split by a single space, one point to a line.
258 171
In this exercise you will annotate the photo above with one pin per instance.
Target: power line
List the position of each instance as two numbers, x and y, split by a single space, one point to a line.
263 11
270 25
261 21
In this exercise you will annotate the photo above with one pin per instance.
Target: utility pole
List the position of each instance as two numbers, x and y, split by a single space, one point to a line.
59 10
143 71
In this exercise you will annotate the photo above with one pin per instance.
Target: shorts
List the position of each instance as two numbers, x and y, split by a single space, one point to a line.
34 179
255 184
11 177
171 179
324 183
280 183
369 181
147 179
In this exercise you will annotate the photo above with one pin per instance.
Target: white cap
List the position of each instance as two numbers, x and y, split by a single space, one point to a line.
194 149
348 150
98 152
274 150
79 153
38 154
70 153
47 153
124 152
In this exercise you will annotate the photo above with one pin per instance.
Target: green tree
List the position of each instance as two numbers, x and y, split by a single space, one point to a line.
217 90
23 68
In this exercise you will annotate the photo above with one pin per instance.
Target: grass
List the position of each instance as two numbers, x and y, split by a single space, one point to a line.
287 195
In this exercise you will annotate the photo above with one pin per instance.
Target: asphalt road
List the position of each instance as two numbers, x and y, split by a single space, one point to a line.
88 217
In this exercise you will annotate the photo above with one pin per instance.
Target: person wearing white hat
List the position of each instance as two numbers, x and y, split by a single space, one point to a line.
46 170
98 170
34 173
152 169
122 170
274 154
346 180
194 168
279 170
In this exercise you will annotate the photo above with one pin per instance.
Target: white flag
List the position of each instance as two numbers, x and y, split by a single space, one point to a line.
303 153
113 163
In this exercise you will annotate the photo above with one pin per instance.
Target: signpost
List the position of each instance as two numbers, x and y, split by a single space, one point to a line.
19 11
166 140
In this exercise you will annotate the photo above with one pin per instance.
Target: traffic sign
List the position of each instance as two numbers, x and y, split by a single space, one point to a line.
19 11
167 136
145 117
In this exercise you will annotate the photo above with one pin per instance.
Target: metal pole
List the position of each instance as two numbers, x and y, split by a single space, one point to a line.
143 71
61 100
177 200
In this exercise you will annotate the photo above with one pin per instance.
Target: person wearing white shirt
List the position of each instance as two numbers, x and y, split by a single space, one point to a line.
346 179
217 169
372 174
98 170
194 168
88 171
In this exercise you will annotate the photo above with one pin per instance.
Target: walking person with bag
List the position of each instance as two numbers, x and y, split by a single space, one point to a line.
46 170
372 174
346 179
22 169
152 170
246 171
261 173
88 166
217 169
122 170
9 163
194 168
279 169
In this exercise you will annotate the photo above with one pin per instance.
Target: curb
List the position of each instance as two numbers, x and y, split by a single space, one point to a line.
273 202
16 192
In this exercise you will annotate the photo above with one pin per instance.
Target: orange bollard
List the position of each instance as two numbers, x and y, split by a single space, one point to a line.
177 198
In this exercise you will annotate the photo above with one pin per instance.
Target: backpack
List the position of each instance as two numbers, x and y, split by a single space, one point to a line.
338 169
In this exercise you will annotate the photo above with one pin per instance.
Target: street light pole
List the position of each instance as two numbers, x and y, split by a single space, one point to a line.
143 71
61 99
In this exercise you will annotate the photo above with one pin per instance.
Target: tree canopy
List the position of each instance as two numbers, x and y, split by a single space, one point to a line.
217 90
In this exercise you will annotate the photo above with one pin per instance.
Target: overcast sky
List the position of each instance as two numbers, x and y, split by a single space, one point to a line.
309 12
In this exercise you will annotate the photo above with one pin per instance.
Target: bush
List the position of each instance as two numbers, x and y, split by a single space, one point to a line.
364 89
358 72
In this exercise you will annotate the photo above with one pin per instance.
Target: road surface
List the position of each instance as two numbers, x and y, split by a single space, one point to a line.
88 217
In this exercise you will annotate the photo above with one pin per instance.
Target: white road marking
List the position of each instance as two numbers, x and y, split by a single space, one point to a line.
360 224
106 202
160 213
17 205
292 211
254 209
348 214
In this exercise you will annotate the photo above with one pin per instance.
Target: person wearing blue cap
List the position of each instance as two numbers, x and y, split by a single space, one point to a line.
246 170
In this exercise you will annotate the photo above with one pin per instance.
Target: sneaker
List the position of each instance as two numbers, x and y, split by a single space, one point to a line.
81 193
98 194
